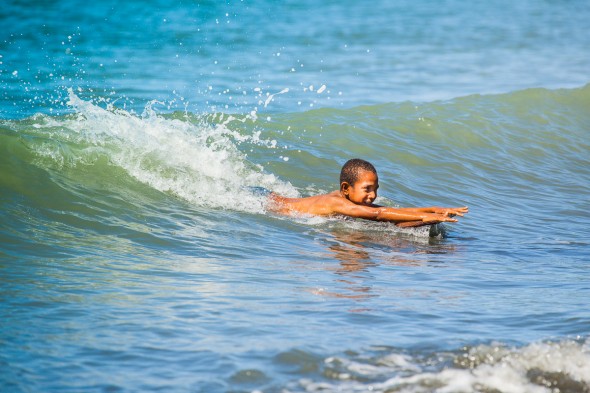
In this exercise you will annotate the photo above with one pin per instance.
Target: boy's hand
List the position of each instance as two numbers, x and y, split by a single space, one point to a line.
436 218
432 218
451 211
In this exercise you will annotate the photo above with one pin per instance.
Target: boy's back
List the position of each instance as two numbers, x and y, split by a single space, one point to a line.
319 205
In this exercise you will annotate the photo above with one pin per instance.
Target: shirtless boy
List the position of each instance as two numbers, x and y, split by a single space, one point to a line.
358 189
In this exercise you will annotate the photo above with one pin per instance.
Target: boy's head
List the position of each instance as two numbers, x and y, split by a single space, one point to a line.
359 182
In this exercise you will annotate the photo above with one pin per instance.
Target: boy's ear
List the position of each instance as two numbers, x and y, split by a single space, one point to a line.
344 187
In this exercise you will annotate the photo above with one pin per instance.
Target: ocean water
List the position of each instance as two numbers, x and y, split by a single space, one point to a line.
136 254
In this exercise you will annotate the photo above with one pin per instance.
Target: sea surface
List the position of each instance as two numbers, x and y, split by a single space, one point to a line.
136 253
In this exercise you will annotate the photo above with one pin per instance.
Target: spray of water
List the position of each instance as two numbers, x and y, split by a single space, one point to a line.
195 159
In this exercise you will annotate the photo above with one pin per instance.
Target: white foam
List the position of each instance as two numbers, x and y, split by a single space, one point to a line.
197 161
536 368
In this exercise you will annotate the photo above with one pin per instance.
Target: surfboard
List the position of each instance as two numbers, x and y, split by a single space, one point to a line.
424 231
420 228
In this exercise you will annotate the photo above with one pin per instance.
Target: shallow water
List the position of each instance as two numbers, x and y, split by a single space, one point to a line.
136 254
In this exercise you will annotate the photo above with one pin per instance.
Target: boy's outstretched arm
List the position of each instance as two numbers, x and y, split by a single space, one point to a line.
396 215
447 211
400 216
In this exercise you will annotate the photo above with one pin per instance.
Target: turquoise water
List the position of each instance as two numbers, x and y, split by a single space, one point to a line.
136 254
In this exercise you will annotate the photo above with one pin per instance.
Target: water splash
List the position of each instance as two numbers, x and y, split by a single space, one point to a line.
541 367
195 159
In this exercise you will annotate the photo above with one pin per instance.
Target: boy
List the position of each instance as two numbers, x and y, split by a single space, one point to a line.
358 190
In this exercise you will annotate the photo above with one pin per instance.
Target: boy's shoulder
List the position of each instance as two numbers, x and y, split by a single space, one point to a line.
330 195
323 204
328 204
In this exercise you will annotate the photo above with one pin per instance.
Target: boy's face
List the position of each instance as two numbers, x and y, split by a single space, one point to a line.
364 190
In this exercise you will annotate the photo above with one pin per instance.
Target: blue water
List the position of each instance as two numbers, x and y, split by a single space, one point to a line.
206 55
136 254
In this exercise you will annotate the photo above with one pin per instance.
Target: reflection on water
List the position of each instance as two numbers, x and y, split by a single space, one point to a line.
361 252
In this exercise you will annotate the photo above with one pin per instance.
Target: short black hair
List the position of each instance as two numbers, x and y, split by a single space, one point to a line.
352 168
